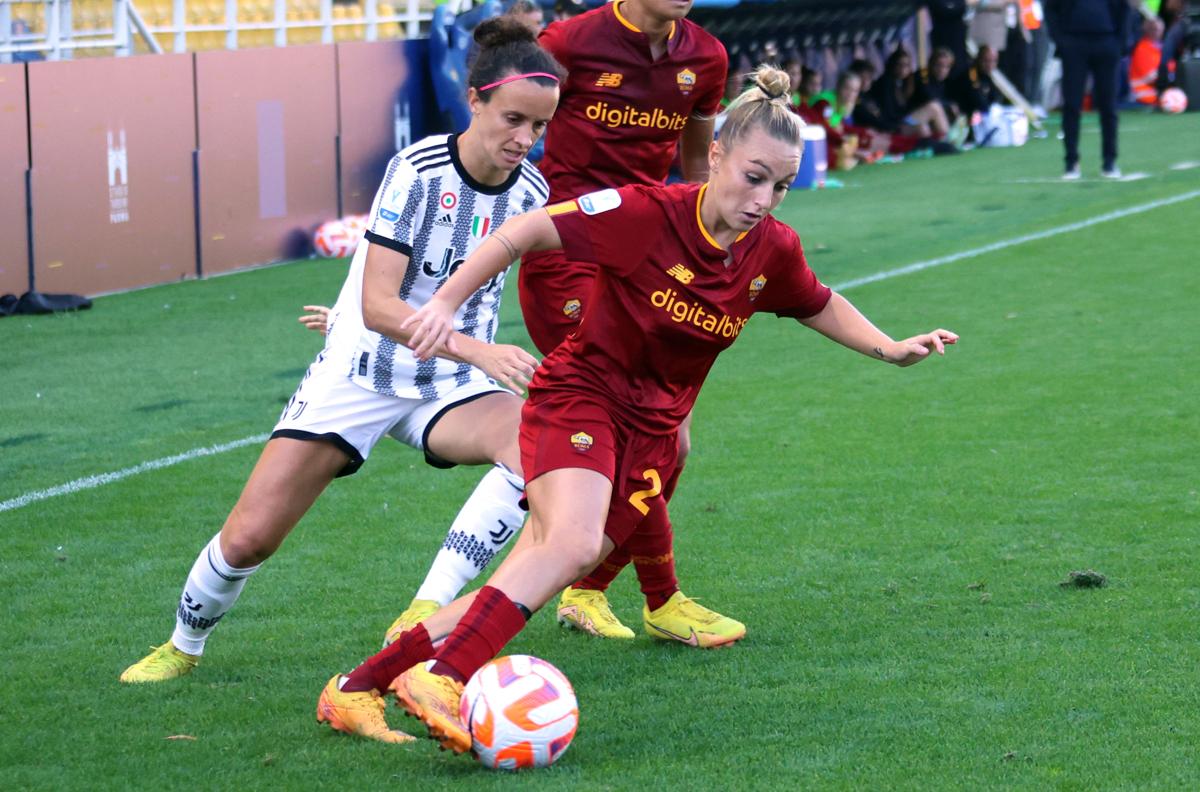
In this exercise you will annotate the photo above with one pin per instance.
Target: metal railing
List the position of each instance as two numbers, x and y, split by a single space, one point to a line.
60 37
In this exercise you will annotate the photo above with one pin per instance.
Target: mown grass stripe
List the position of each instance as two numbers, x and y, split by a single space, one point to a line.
1014 241
91 482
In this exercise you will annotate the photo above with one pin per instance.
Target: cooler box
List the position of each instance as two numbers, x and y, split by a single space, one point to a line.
815 161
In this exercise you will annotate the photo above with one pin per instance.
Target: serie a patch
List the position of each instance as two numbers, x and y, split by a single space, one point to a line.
600 201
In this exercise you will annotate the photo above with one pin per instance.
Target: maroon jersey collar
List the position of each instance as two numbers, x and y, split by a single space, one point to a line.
709 246
672 36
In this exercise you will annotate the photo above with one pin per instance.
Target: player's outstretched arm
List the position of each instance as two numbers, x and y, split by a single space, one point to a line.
384 312
431 328
840 321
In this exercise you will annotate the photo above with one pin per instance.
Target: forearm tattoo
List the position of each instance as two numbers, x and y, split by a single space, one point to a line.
879 352
513 254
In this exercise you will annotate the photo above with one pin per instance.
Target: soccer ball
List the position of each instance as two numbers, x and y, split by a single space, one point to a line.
334 239
356 224
1173 100
520 711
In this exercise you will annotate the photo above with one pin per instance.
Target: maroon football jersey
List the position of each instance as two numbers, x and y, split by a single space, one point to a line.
665 303
621 113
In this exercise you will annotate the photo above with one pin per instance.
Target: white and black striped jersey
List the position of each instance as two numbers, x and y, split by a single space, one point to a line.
431 210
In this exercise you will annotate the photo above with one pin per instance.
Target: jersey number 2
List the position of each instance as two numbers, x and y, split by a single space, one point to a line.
639 498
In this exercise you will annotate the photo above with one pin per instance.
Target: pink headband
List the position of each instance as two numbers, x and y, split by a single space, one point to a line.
518 77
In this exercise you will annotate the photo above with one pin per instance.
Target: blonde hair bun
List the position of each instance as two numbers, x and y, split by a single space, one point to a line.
766 104
774 83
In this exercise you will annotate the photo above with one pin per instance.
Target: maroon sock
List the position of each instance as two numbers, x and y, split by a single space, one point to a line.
378 671
491 622
606 571
652 549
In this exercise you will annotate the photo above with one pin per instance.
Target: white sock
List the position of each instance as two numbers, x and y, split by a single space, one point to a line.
210 591
489 518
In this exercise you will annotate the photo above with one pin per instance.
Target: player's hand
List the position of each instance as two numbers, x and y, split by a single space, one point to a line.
509 365
430 329
317 318
915 349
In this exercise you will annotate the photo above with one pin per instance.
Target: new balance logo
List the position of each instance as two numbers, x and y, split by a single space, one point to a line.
444 220
609 80
681 274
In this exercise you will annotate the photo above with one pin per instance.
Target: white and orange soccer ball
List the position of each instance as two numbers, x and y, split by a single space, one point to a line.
1173 100
356 224
521 712
335 238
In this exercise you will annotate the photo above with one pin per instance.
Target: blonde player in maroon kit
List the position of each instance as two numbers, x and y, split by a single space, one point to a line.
642 82
682 269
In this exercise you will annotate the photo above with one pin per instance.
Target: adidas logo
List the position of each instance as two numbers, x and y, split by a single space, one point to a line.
444 220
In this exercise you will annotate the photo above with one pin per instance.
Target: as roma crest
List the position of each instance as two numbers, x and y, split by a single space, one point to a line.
756 287
686 80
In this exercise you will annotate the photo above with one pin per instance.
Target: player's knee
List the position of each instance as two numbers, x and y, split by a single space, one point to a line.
510 456
582 553
243 548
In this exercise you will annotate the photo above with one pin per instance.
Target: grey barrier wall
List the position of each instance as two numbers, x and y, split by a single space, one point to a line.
14 161
155 168
112 188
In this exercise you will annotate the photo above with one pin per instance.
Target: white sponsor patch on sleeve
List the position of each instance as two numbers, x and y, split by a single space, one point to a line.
601 201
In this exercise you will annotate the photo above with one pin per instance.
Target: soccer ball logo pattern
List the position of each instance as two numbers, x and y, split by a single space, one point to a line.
521 712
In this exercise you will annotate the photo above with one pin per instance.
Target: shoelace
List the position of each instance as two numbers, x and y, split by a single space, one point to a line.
699 612
163 655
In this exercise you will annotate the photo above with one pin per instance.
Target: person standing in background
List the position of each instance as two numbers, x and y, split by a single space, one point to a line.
1088 35
949 30
989 27
1174 16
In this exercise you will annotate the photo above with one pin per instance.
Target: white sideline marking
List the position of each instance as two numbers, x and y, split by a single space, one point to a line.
1186 165
1007 243
107 478
1128 177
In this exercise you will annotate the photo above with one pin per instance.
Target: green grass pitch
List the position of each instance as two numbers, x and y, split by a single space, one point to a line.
894 539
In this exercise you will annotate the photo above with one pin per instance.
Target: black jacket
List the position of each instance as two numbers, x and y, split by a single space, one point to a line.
1086 18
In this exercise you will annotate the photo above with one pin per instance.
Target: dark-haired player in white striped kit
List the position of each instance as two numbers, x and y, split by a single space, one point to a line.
439 199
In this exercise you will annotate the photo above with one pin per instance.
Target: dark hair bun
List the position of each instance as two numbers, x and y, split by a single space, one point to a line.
501 30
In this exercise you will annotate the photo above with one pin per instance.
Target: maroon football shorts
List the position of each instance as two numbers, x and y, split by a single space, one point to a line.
570 430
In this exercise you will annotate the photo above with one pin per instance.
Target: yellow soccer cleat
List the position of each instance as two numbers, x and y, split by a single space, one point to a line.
418 611
684 620
165 662
588 610
359 713
434 699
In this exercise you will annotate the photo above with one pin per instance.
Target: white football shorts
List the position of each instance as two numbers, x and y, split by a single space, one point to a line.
329 406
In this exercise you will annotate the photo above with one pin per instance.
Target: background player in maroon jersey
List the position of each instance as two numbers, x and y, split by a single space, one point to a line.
682 270
642 82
